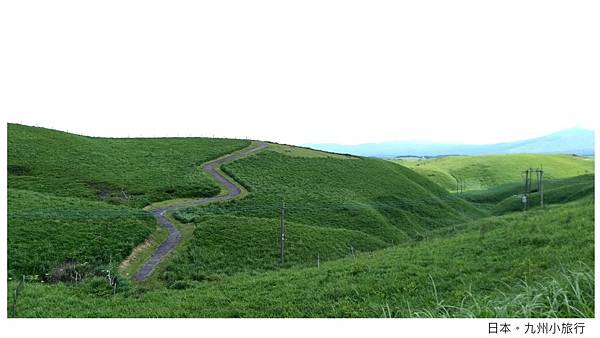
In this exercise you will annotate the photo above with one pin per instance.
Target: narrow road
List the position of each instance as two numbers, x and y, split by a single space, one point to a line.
174 236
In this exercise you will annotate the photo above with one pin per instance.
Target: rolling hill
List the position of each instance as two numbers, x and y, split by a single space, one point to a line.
334 204
390 241
76 200
537 264
489 171
132 172
576 141
369 195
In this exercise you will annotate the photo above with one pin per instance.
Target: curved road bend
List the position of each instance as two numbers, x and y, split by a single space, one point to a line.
174 236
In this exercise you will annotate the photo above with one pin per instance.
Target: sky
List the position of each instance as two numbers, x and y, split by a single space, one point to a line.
302 72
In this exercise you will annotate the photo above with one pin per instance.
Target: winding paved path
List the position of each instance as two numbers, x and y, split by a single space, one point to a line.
174 236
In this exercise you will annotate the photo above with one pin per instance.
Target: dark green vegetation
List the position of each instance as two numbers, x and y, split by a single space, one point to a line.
226 244
535 264
374 196
490 171
134 172
46 232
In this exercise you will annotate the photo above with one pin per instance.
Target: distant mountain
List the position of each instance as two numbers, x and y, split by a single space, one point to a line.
577 141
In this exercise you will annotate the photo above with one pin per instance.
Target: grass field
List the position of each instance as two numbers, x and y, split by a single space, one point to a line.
133 172
46 231
489 171
228 245
390 241
537 264
373 196
561 191
76 200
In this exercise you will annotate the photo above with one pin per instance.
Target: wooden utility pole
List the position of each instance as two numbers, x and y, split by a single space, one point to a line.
539 174
541 189
526 191
460 184
529 184
282 232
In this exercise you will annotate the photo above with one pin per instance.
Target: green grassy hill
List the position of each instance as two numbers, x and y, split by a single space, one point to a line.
373 196
391 242
555 191
133 171
227 244
561 191
335 204
537 264
77 200
489 171
46 232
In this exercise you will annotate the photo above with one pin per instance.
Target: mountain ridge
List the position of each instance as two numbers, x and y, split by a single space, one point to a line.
577 141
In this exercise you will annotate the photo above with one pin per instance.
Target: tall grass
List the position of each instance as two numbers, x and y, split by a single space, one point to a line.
567 294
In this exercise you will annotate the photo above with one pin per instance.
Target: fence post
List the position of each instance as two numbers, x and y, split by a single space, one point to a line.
18 289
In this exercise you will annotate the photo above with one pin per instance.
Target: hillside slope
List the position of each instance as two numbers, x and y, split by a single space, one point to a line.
502 192
489 171
228 244
560 192
132 171
45 232
537 264
373 196
335 205
76 200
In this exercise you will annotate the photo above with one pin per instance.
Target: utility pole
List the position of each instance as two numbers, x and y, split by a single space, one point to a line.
525 198
460 184
541 187
529 184
539 174
282 232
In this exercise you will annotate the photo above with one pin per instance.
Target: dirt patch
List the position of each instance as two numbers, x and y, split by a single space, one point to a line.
136 251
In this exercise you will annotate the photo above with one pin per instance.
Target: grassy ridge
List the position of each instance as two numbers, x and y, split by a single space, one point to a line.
533 264
374 196
226 244
489 171
555 195
46 231
498 194
134 172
